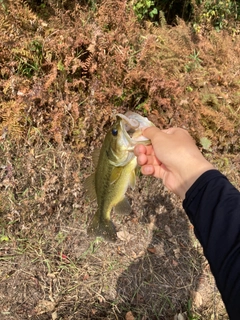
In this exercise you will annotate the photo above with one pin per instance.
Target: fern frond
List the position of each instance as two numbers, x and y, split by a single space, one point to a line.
13 119
51 77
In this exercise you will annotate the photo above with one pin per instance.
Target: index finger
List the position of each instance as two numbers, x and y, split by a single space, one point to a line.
142 149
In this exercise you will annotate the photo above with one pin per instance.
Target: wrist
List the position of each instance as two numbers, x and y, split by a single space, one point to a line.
192 174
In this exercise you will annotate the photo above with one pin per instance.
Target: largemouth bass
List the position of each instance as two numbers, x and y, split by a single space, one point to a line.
115 172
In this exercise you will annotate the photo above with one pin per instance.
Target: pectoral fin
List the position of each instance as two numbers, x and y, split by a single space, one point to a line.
115 175
132 179
123 207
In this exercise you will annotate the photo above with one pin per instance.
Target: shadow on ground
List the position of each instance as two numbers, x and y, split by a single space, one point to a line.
168 277
161 283
51 270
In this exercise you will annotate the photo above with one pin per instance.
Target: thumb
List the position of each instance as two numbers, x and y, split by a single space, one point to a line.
150 132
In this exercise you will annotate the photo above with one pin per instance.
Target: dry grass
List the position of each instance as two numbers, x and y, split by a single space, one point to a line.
64 74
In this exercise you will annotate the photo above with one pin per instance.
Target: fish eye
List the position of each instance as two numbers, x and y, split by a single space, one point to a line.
114 132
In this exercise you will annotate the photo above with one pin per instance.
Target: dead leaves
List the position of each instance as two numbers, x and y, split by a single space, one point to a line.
46 306
129 316
197 298
152 250
124 236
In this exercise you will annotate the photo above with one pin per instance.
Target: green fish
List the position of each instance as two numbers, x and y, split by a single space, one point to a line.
115 172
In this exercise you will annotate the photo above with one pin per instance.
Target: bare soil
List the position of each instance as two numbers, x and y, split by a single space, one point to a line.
65 73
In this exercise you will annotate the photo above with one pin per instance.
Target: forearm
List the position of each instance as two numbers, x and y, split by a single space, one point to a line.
213 207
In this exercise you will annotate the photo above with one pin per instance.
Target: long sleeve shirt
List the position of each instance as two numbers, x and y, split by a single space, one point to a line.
213 206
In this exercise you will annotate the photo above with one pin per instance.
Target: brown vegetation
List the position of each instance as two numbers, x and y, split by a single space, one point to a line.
65 70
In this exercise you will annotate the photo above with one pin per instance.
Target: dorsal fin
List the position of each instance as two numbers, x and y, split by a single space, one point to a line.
95 157
89 185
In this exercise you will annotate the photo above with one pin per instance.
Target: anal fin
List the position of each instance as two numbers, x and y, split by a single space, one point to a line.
123 207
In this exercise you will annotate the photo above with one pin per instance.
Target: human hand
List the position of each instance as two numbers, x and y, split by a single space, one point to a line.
174 157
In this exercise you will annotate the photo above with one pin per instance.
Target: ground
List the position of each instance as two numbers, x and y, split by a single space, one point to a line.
64 76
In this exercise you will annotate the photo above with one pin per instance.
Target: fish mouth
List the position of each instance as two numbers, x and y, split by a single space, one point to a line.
129 123
132 126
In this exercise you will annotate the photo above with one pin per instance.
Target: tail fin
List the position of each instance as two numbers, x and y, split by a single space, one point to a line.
100 227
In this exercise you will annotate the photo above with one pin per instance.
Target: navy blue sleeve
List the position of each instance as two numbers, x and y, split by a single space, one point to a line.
213 207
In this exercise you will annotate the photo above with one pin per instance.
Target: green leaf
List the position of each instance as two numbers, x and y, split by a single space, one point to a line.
60 66
206 143
153 12
4 238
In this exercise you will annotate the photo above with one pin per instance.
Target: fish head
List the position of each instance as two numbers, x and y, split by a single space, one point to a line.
119 150
124 135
